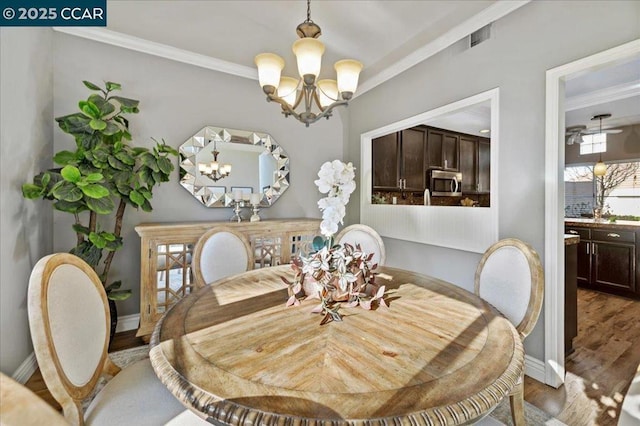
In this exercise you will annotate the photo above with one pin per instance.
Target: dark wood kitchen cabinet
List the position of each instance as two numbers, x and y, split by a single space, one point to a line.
475 164
442 149
607 259
398 160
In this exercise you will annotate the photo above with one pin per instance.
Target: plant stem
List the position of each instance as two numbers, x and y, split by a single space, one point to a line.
93 221
117 228
79 236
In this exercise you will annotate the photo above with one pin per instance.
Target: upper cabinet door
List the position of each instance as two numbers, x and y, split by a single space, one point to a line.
413 150
469 162
385 162
442 149
484 165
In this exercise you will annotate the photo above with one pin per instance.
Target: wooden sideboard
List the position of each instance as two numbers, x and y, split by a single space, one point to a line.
166 252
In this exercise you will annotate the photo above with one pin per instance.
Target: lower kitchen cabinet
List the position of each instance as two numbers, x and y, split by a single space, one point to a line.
608 259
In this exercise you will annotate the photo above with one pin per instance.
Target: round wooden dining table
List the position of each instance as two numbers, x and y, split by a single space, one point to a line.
235 354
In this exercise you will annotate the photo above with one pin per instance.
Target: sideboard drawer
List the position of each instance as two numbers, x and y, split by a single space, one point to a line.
614 235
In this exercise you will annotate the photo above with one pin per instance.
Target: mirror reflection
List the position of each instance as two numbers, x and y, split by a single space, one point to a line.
220 165
444 161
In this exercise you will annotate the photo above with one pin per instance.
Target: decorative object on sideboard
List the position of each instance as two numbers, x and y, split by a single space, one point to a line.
260 166
255 205
238 204
103 168
290 92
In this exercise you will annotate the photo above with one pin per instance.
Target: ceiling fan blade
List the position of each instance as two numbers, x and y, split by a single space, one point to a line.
596 131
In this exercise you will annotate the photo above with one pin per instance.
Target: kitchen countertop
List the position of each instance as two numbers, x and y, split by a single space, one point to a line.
570 239
590 223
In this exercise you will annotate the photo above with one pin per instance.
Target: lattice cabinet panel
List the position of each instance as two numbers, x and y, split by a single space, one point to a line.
166 274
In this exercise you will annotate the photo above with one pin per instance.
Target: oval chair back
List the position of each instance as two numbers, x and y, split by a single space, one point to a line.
367 237
221 252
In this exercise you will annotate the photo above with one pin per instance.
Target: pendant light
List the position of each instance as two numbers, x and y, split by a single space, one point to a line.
600 169
321 96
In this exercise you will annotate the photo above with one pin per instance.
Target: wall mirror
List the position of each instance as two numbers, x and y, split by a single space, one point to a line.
218 165
398 164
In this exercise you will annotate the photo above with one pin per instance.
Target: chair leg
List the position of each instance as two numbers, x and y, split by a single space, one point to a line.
516 399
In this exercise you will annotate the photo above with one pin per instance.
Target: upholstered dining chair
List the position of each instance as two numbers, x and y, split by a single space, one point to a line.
220 252
69 321
510 277
19 406
367 237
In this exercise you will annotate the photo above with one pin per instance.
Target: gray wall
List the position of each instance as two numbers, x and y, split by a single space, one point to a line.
538 36
176 101
26 137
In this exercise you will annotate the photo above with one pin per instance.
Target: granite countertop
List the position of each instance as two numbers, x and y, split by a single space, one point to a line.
590 223
570 239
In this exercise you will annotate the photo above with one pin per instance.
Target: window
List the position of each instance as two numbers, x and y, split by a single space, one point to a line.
592 144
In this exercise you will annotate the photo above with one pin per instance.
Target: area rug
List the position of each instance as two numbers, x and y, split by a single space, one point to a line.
502 414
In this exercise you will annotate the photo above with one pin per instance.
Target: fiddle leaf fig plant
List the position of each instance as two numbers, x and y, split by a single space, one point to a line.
101 177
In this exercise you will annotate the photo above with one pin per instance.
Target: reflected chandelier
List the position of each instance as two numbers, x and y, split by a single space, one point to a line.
289 92
215 171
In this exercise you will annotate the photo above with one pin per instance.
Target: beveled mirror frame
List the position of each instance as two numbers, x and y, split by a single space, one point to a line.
205 190
467 229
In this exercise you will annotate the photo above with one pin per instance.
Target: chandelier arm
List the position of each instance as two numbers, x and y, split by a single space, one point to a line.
286 108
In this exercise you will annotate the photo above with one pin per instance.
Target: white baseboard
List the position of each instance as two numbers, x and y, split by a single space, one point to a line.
26 369
128 322
534 368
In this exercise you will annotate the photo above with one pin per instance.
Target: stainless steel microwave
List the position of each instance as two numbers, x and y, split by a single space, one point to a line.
445 184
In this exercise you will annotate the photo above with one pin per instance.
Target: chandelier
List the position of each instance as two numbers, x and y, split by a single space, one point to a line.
214 170
321 95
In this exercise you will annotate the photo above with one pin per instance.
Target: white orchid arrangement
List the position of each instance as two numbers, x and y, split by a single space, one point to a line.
337 180
334 273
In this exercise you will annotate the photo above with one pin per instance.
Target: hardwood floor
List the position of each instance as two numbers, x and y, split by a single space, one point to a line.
599 371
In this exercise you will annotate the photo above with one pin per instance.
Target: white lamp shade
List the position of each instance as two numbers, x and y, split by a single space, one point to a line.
600 169
287 89
348 71
328 92
202 168
308 53
214 166
269 68
227 168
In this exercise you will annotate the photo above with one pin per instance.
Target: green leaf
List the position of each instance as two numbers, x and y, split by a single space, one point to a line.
94 177
101 155
102 104
100 205
87 252
71 173
150 161
126 104
81 229
65 157
90 85
46 178
113 286
111 86
126 158
74 124
146 176
114 245
108 236
89 109
67 191
69 207
165 166
146 206
139 150
89 141
111 129
31 191
97 124
119 294
116 164
95 191
146 193
136 197
97 240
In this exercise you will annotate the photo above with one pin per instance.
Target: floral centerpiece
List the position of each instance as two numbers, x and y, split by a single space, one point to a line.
338 275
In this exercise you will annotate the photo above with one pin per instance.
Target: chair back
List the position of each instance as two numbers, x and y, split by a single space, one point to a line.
19 406
510 277
220 252
367 237
69 322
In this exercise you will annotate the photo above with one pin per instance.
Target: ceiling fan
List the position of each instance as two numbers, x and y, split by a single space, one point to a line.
574 133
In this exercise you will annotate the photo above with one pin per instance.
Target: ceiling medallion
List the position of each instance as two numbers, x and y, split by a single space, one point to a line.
321 95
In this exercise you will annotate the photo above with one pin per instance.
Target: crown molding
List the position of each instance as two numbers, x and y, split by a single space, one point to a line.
597 97
103 35
487 16
137 44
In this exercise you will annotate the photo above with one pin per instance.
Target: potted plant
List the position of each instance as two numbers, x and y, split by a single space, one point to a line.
104 174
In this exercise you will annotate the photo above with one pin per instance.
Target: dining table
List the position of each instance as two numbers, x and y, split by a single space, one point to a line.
436 354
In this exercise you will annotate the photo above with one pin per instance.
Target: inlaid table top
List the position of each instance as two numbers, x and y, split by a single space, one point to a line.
236 354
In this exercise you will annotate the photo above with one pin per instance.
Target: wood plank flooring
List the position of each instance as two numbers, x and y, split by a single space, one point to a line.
599 371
